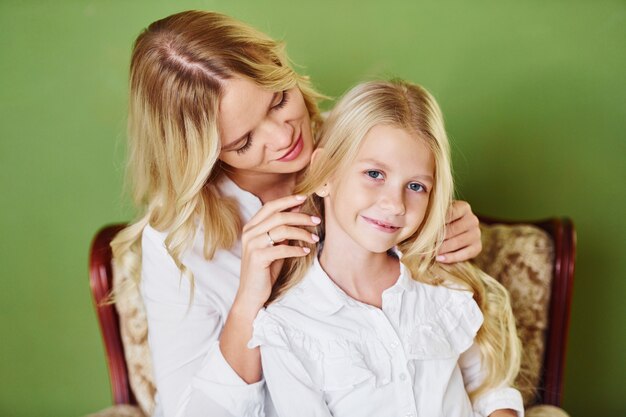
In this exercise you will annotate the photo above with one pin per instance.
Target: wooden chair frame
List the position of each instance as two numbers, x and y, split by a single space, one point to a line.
560 229
101 281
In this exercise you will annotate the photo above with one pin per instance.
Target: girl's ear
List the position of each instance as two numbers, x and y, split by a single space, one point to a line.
315 157
322 191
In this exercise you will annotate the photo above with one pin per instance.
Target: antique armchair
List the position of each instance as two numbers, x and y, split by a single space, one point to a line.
534 260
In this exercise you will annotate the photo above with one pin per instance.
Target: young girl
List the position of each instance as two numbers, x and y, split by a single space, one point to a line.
370 324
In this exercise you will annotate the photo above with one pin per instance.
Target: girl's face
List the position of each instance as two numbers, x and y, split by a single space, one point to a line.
381 198
263 132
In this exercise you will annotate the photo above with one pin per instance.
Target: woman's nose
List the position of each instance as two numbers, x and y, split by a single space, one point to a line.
279 135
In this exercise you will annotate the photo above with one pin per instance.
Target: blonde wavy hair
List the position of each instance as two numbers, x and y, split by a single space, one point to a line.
177 71
410 107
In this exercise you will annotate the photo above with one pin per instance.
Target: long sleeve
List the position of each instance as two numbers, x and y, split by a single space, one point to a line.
192 376
291 389
495 399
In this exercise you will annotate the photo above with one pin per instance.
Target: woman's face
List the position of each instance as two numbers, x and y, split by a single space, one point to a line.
263 132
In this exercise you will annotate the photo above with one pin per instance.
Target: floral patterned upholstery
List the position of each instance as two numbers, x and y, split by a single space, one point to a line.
134 331
519 256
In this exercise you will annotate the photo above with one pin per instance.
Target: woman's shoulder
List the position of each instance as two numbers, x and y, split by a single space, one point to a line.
154 247
211 279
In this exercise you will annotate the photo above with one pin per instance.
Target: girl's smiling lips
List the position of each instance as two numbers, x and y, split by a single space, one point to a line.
380 225
294 151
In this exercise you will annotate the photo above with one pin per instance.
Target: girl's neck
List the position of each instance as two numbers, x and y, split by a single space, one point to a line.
361 274
266 187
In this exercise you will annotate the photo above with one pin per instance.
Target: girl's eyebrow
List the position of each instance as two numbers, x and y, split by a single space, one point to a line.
387 168
233 145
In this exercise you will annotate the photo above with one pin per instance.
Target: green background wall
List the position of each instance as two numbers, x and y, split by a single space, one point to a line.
535 99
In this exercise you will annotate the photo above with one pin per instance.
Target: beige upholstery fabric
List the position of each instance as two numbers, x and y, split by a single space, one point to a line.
119 411
521 258
134 330
545 411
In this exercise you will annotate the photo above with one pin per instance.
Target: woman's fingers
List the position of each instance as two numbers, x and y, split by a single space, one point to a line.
281 226
284 233
465 224
266 256
459 242
287 251
465 254
287 218
462 241
275 206
458 210
462 247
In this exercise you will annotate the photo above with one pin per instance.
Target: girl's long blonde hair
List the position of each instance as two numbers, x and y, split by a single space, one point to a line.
408 106
177 71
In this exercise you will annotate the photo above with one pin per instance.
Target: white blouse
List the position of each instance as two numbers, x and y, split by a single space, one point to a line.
192 376
326 354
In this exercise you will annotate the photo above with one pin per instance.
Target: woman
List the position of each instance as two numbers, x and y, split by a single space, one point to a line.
219 128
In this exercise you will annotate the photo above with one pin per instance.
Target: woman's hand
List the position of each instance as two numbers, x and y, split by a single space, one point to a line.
262 257
462 240
264 247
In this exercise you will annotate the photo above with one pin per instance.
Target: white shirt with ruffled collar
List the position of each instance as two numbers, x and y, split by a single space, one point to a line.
327 354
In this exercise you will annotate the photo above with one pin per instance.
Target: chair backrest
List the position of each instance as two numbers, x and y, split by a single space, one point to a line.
534 260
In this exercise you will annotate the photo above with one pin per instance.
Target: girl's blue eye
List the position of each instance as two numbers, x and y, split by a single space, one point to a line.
414 186
377 175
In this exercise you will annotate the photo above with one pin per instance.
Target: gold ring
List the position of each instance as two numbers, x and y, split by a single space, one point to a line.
272 243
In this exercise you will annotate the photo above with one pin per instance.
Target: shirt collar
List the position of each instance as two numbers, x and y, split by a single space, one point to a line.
404 282
319 292
322 294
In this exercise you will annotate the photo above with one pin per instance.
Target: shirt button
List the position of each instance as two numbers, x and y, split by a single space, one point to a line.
393 345
402 377
409 415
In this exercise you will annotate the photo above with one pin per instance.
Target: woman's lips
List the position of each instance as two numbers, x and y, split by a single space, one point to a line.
382 226
294 151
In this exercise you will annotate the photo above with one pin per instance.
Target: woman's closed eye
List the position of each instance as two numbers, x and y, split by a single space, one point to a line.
246 145
284 97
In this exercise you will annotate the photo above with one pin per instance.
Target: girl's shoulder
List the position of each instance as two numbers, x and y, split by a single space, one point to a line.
441 293
314 296
305 315
445 309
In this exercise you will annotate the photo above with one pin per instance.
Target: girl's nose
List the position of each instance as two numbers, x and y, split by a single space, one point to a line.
392 201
